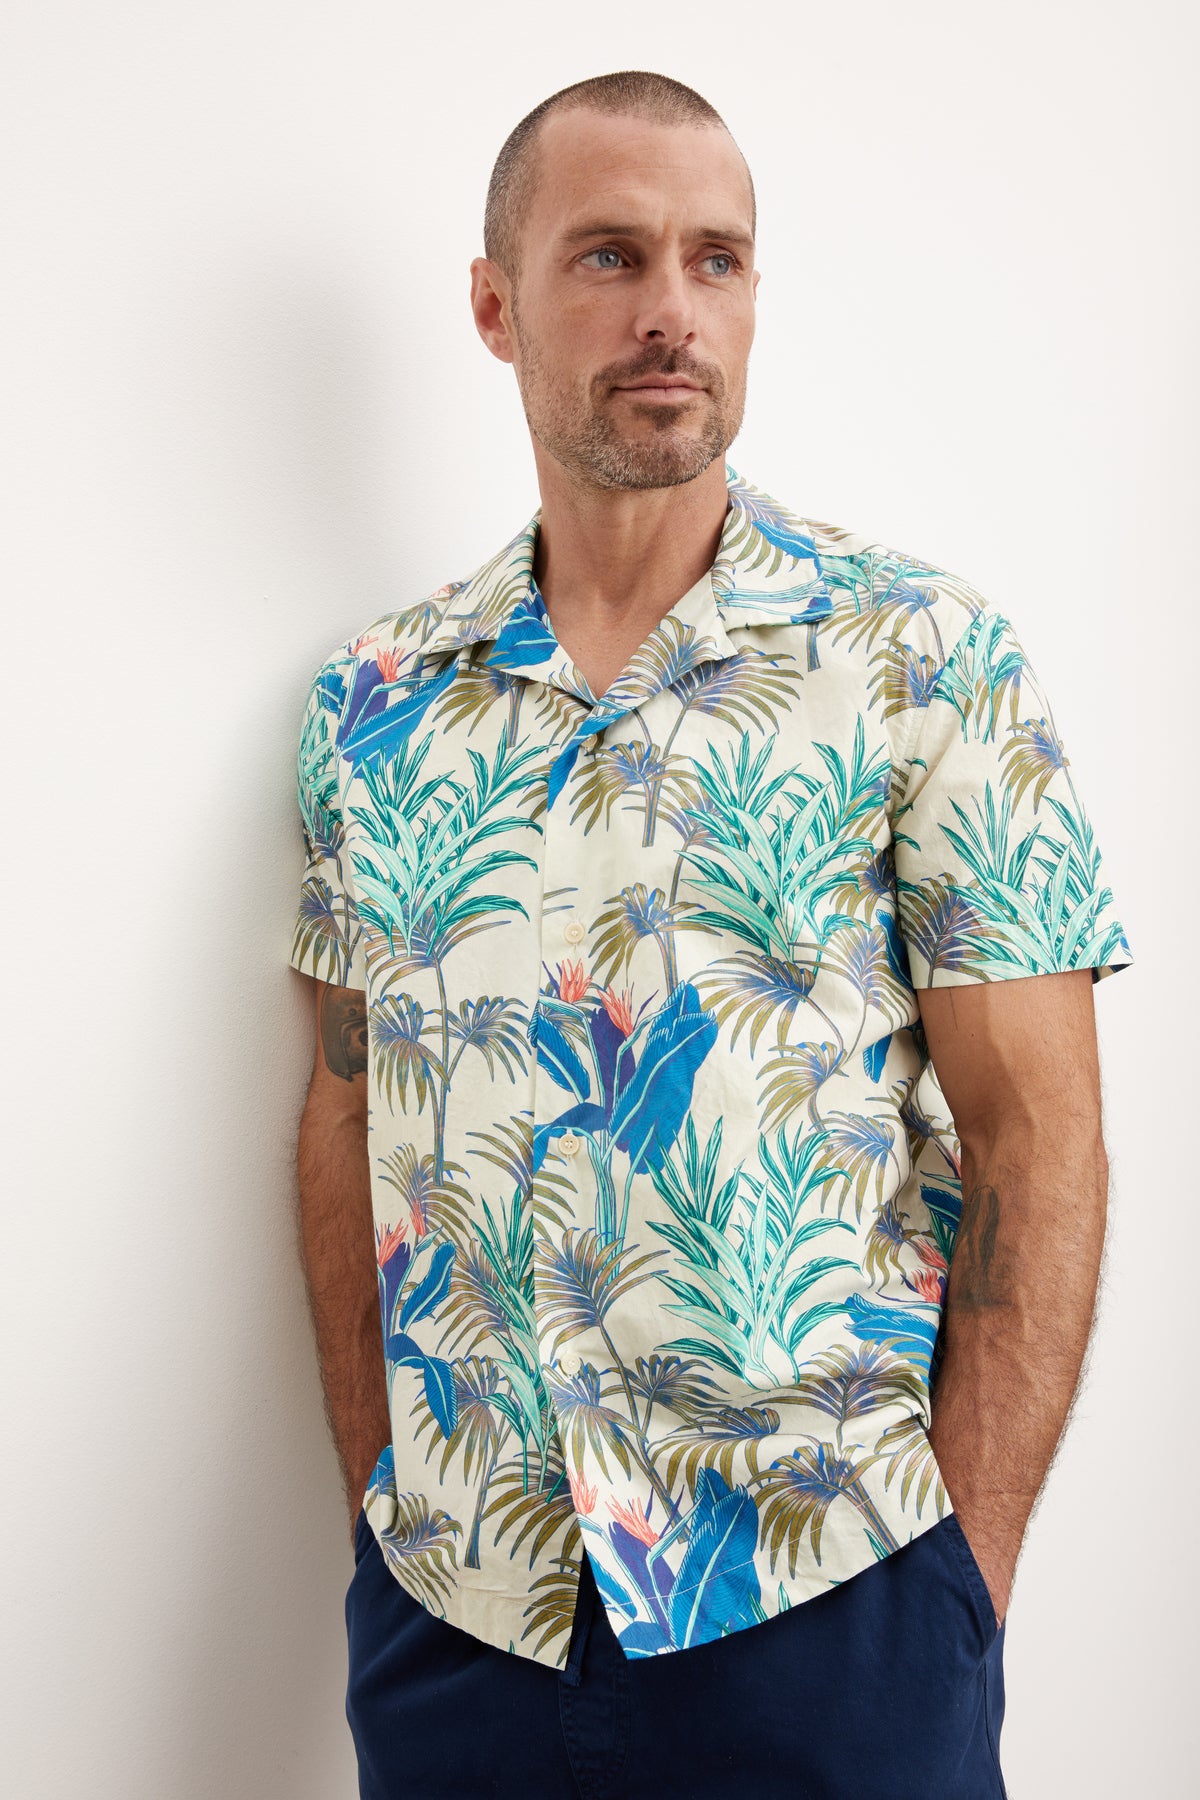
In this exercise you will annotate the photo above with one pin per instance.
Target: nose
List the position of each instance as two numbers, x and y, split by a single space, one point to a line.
665 306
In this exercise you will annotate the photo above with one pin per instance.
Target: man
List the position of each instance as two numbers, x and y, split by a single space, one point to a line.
704 921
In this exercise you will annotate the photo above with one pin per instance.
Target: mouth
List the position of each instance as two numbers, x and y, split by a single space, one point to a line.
666 390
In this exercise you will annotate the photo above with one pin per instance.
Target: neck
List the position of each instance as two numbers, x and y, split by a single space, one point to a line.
608 555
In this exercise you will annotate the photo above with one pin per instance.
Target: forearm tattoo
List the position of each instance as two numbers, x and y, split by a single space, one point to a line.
979 1268
344 1031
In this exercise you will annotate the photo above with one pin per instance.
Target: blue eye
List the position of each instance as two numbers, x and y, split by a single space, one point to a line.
724 256
605 250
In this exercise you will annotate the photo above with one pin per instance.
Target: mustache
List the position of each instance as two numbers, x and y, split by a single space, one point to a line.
697 372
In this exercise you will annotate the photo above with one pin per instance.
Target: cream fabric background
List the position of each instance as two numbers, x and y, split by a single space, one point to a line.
247 411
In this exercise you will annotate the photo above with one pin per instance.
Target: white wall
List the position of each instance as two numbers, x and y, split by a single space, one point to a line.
247 411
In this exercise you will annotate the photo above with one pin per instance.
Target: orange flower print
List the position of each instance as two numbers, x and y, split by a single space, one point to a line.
583 1497
619 1008
635 1522
389 663
361 643
929 1253
417 1214
573 984
387 1242
930 1285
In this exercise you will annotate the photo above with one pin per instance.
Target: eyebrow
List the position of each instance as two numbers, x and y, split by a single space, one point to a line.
603 230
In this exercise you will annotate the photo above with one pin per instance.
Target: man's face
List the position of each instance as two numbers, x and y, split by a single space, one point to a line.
636 260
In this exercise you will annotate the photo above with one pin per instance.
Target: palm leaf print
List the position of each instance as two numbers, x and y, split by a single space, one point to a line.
326 929
588 1425
1016 922
580 1279
754 992
906 1444
641 780
420 1546
795 1497
863 1146
432 843
665 1193
401 1058
495 1028
766 873
551 1609
749 689
793 1079
432 1203
730 1439
902 677
852 1382
876 592
869 886
762 537
489 1407
419 619
320 931
1034 755
939 923
944 1206
681 1384
673 651
861 954
476 1434
474 695
492 1291
984 670
887 1239
633 915
533 1498
742 1284
317 788
925 1129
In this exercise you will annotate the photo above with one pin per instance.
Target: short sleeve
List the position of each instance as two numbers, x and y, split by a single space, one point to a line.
998 872
327 941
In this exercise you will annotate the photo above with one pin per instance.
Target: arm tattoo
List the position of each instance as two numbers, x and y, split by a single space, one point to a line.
979 1272
344 1031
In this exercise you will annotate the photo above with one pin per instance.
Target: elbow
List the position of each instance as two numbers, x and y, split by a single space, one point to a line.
1016 1128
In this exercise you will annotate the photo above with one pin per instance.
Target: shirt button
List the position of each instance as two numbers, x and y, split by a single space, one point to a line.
575 931
570 1364
569 1144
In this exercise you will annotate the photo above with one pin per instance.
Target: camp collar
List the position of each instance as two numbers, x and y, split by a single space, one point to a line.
766 572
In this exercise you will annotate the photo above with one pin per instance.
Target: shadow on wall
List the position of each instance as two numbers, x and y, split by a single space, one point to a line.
293 387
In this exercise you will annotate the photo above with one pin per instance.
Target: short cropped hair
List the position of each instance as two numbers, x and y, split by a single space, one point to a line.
629 93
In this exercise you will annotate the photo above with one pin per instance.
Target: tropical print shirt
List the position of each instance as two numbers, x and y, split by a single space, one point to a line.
665 1187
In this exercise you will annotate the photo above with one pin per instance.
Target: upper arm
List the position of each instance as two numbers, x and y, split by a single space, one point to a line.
1016 1052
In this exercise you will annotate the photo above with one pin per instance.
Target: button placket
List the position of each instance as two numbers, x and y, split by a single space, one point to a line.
564 936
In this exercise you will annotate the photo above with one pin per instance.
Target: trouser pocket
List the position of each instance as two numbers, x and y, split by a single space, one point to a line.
973 1578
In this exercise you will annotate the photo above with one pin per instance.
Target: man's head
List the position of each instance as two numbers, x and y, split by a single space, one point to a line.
619 244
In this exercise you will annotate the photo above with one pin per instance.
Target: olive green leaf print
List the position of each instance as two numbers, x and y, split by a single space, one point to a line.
665 1193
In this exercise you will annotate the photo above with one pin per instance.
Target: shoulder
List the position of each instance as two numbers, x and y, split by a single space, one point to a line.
386 643
896 593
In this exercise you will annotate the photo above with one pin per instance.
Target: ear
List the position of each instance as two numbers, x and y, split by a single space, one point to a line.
489 305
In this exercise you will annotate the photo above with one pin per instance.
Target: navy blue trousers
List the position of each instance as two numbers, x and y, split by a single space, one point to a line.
887 1687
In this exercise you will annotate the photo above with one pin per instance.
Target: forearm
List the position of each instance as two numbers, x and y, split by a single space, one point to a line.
1019 1308
337 1242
